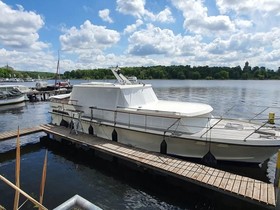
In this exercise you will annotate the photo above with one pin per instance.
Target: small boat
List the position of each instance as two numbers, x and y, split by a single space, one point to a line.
132 114
40 85
10 95
25 90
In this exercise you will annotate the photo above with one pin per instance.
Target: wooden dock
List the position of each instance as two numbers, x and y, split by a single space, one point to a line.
22 132
241 187
244 188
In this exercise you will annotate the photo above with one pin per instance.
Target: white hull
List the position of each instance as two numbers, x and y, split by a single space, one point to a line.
179 146
12 100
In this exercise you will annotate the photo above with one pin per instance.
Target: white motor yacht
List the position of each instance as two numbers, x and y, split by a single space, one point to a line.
132 114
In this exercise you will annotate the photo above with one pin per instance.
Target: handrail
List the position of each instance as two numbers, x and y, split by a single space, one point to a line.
211 127
255 131
170 126
259 113
213 122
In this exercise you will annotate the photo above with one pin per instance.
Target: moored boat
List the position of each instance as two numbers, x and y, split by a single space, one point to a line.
132 114
10 95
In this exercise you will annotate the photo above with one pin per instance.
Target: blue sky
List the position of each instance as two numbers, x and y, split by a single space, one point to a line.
104 33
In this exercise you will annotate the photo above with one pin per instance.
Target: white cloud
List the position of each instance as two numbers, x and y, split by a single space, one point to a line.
131 7
249 6
29 60
88 36
105 15
228 35
197 19
272 56
165 16
131 28
243 24
137 9
19 28
263 14
156 41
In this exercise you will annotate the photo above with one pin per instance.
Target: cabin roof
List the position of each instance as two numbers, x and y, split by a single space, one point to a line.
178 108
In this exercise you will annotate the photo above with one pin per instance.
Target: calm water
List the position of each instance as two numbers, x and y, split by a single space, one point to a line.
111 186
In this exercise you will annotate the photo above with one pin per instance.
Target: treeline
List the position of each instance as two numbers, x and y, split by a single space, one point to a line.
156 72
9 72
180 72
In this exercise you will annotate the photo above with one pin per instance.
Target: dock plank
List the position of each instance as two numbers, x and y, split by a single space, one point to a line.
22 132
270 193
219 178
236 184
249 188
257 190
208 175
224 181
263 196
243 186
213 177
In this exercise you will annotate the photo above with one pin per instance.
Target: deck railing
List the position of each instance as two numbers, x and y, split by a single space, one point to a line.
173 124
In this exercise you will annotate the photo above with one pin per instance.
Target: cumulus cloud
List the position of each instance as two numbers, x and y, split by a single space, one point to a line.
243 24
88 36
263 15
19 28
197 19
272 56
105 15
165 16
137 9
132 7
249 6
156 41
133 27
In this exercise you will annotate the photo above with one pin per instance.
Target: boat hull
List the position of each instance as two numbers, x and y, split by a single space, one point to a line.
175 145
13 100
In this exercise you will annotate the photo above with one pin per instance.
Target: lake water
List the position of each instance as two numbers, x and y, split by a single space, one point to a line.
111 186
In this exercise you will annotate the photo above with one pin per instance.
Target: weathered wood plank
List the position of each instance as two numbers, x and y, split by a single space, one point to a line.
208 175
257 190
236 185
219 178
213 177
243 186
249 188
22 132
224 181
263 196
271 194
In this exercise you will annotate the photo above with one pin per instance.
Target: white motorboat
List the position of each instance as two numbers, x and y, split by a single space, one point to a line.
132 114
10 95
25 90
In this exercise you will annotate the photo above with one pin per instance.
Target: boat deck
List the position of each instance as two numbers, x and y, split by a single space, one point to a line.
245 188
